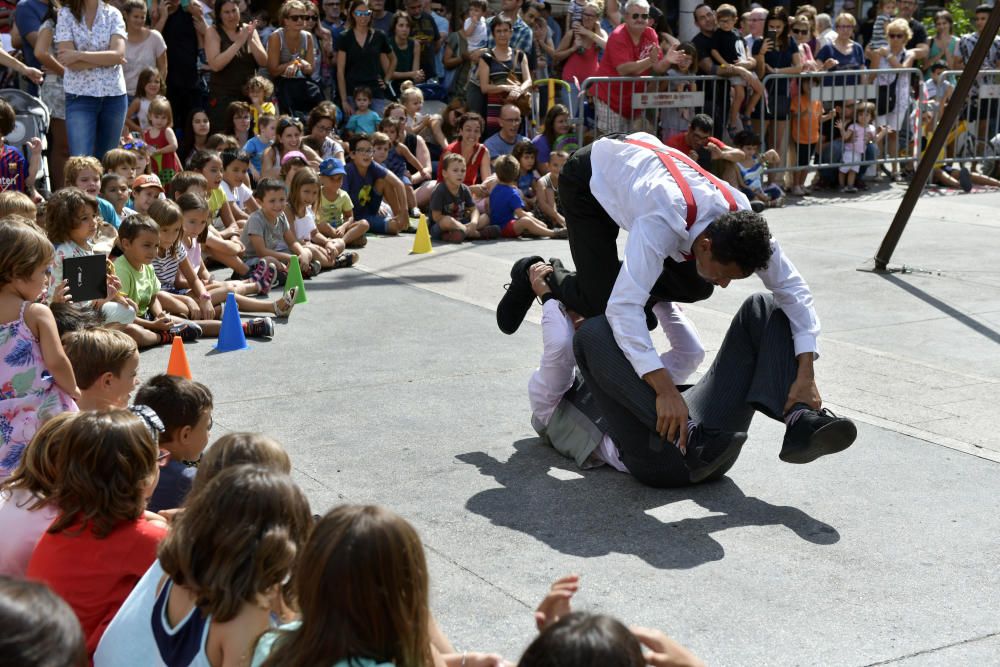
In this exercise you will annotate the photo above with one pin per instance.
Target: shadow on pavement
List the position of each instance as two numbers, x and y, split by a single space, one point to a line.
945 308
604 511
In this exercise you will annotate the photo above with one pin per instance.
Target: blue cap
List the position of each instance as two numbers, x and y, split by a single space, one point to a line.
331 167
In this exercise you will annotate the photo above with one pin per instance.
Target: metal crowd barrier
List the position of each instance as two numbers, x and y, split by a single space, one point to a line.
975 138
664 105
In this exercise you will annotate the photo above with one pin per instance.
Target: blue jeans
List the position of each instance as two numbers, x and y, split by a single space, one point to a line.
94 124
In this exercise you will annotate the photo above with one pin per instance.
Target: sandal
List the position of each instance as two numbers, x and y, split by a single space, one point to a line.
283 306
345 260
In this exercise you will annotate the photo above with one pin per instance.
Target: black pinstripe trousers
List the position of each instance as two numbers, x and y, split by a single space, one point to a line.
753 372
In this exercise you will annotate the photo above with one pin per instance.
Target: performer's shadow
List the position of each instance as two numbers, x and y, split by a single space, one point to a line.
605 511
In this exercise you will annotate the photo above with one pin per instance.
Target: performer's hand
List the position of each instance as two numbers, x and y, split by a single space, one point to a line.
672 418
804 390
556 604
536 274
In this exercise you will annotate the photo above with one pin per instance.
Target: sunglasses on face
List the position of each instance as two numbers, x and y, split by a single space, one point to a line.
297 17
800 32
640 16
362 13
844 27
896 35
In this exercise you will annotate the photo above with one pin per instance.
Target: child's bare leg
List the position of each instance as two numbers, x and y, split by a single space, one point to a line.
320 254
209 328
143 337
411 198
423 193
982 179
941 177
530 225
178 304
354 235
249 305
226 256
851 175
736 103
842 178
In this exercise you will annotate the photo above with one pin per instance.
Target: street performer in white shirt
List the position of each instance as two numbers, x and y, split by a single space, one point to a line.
688 232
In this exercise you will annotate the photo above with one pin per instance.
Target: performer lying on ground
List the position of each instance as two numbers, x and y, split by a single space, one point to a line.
688 231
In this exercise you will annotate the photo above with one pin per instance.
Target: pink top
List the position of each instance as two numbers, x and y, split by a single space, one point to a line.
194 255
21 530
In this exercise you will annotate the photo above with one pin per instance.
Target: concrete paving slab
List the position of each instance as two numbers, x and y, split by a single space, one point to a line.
393 386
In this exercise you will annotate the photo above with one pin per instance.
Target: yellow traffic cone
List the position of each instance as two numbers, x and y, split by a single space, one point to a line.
422 241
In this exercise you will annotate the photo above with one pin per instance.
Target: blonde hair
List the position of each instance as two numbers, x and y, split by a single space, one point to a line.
77 164
901 25
161 107
303 177
847 18
94 352
15 202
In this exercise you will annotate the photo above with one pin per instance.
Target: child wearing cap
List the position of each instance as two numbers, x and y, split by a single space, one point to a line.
335 211
146 188
367 182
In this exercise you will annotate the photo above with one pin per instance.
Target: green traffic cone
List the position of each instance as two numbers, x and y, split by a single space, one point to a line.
294 279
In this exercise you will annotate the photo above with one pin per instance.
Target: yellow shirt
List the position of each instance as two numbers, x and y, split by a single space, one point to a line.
266 107
332 212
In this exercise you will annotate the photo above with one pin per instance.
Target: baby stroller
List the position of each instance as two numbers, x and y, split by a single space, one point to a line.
31 120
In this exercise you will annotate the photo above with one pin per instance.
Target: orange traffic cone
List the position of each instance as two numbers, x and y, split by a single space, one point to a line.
178 364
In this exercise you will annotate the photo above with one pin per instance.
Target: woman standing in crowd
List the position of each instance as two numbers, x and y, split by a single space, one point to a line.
234 52
54 96
895 56
843 53
291 59
504 74
405 51
777 56
323 72
801 31
362 58
477 156
556 124
90 39
944 46
144 47
581 62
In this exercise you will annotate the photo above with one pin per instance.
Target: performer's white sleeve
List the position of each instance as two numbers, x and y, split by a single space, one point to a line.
793 296
554 376
686 351
649 242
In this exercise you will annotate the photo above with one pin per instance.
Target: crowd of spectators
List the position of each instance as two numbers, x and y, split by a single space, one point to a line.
274 139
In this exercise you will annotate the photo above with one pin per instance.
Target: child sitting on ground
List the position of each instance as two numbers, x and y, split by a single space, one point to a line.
335 213
222 577
71 222
237 449
291 163
549 209
751 170
527 155
146 189
364 120
209 163
507 210
367 183
185 408
36 376
453 212
388 154
235 165
321 131
728 48
301 198
85 172
115 189
102 541
260 142
25 510
268 237
194 233
13 202
171 260
121 162
139 237
106 364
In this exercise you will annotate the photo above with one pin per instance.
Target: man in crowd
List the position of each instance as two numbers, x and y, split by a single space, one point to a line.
986 111
716 93
688 232
426 32
919 40
503 142
709 152
28 17
755 22
381 19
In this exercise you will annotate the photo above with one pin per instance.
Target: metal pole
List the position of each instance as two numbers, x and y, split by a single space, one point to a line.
936 143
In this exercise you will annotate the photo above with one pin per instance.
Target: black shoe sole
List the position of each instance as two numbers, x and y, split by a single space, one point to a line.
517 301
830 439
728 455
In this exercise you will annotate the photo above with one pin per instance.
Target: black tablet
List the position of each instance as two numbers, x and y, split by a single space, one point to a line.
87 276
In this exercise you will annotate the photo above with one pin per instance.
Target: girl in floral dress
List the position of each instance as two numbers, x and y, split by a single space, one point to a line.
36 378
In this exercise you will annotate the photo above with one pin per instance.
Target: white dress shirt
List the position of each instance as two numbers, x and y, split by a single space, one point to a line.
636 190
555 373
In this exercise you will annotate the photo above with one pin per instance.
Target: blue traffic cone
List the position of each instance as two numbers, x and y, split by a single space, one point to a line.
231 336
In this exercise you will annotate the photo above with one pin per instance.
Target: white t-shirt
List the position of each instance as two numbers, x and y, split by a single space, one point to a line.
141 55
239 195
478 38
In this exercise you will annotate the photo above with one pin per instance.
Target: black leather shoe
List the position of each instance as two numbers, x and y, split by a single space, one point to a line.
757 206
515 303
708 450
816 433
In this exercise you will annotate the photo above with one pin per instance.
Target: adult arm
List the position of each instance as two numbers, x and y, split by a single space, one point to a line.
10 62
452 59
274 65
686 349
83 60
565 47
554 376
793 296
161 58
217 58
341 76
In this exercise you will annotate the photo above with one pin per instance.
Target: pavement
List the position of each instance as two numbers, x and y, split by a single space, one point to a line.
392 385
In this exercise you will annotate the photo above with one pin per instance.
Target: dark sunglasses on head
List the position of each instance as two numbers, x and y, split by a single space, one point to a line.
640 16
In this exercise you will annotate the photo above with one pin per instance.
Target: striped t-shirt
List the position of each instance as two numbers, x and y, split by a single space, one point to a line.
166 267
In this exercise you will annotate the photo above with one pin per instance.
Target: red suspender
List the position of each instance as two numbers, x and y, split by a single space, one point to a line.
667 157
